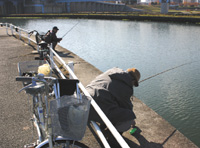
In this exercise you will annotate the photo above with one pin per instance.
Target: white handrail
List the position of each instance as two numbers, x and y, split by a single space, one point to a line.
110 126
100 134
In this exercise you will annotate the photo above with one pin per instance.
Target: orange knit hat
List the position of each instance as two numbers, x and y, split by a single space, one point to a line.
135 74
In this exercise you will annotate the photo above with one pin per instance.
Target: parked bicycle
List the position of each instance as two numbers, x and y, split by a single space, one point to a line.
43 46
60 111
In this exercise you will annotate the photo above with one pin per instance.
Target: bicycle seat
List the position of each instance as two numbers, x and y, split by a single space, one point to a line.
39 88
43 44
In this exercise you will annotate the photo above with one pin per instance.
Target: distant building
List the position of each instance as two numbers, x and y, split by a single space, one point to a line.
60 6
170 1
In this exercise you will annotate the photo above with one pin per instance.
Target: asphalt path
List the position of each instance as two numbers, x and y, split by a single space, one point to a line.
15 128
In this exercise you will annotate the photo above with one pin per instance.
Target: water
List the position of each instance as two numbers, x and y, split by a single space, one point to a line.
152 48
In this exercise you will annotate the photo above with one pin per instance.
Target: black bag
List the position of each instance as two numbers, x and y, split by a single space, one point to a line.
47 37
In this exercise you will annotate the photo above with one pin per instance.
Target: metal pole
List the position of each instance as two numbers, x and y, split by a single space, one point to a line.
51 57
11 27
7 28
29 41
20 34
71 65
38 48
100 134
56 67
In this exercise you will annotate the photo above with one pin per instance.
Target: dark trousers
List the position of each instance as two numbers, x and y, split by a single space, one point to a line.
54 45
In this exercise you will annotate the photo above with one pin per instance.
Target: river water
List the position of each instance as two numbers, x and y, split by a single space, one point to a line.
150 47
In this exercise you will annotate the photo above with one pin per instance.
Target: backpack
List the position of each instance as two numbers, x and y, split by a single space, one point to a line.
47 37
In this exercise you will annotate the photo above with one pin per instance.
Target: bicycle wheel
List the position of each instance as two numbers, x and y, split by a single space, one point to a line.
66 144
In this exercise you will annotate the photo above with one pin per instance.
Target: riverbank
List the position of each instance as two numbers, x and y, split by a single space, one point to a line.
174 17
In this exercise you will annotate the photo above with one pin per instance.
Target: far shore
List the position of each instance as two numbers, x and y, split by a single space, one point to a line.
126 16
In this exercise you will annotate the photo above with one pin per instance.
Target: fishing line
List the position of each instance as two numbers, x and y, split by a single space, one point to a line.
166 71
70 30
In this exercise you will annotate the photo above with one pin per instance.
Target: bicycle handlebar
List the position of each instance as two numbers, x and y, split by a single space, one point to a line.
29 79
33 80
24 79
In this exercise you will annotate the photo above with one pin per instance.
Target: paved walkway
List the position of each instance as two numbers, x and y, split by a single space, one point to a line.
15 130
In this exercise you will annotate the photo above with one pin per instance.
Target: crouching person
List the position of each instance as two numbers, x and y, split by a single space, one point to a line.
113 91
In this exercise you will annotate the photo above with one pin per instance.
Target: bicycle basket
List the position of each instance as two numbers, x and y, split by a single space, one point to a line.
68 117
29 66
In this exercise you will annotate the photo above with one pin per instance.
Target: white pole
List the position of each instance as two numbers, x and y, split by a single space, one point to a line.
100 134
71 65
51 57
20 34
56 67
38 48
29 41
11 27
7 28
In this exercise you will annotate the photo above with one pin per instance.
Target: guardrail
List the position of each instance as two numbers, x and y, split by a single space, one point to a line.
69 67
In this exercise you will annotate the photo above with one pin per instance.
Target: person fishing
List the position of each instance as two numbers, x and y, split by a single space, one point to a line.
113 91
51 37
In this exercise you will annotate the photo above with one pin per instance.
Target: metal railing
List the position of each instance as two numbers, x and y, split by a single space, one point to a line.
69 67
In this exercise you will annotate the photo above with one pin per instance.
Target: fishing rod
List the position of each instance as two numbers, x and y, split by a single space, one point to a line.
166 71
70 30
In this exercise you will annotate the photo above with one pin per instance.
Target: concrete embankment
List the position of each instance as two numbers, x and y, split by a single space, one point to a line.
115 16
16 130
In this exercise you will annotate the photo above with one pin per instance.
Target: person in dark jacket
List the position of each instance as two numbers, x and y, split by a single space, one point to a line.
54 39
113 91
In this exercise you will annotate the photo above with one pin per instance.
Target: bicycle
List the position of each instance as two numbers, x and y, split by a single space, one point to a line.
44 50
43 45
59 114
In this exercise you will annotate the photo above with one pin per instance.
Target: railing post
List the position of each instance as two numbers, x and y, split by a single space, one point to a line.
20 34
29 41
71 66
51 56
11 27
7 28
37 47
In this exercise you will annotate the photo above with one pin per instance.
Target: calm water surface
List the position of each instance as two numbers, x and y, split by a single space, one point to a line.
152 48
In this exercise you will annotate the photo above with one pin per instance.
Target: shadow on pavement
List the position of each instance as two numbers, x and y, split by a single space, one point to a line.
144 143
62 54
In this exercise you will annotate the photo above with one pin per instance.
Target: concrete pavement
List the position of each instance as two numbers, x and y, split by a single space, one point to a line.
15 129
